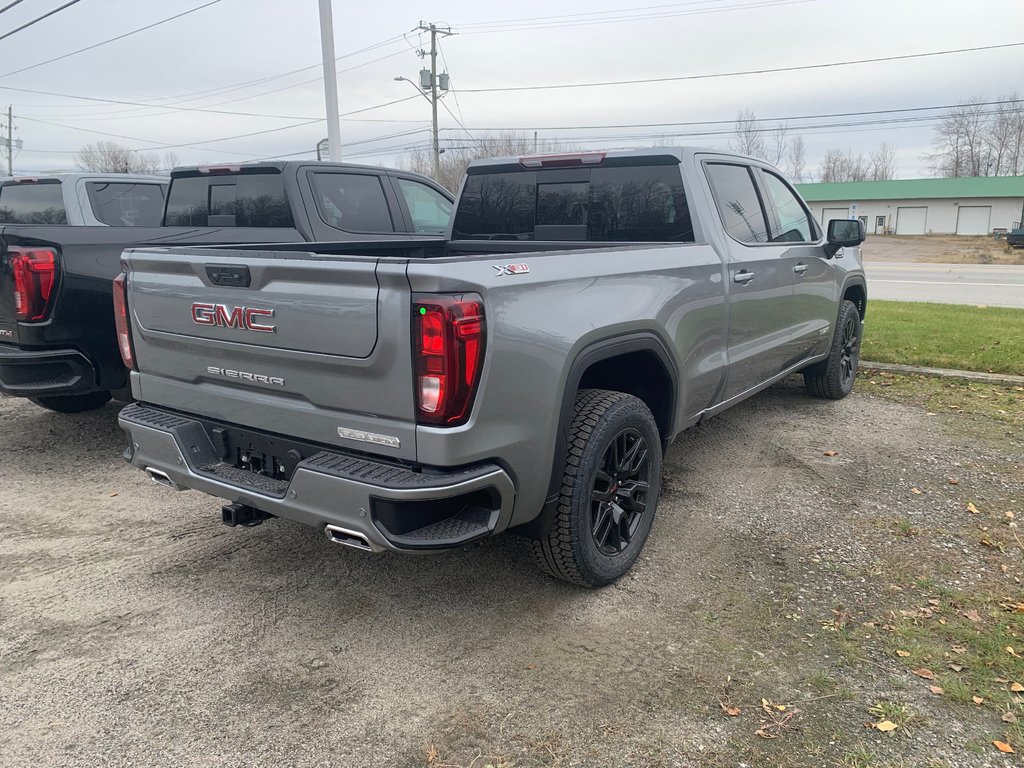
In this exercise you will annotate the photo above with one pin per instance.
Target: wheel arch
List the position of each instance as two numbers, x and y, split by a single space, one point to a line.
638 364
855 290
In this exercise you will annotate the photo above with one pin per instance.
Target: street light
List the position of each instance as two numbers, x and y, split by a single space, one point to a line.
433 113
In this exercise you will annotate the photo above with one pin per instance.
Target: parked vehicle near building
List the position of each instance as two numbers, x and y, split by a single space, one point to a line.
526 375
57 339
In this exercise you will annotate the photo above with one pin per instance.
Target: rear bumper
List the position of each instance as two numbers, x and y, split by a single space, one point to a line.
392 507
42 372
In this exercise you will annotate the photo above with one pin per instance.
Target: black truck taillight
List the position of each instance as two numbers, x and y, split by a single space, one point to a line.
121 322
449 335
35 281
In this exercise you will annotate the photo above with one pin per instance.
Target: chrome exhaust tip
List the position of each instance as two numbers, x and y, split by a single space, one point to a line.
160 478
347 538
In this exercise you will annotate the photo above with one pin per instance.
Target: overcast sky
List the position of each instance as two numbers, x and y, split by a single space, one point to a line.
495 45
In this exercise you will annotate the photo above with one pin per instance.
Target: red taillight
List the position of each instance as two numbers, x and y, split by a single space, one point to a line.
124 331
35 281
450 333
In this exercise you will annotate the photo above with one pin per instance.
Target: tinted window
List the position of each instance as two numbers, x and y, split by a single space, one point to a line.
126 205
793 225
352 202
245 200
738 203
430 210
32 203
629 203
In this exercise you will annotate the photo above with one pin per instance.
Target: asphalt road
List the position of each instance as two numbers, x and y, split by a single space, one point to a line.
997 285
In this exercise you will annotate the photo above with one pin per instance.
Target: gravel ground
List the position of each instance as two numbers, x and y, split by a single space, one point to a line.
135 630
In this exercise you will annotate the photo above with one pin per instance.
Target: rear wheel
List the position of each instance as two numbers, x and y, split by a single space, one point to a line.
833 379
609 491
73 403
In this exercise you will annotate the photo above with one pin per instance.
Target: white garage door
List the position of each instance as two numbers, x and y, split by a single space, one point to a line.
827 214
911 221
973 219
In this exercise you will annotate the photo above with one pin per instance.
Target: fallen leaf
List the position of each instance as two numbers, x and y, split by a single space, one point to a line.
730 711
1002 746
1009 514
954 481
902 654
956 667
885 726
1017 688
927 674
765 734
1012 652
1002 680
978 700
1009 717
531 666
936 689
933 601
973 509
973 615
916 490
112 495
958 649
1004 567
831 453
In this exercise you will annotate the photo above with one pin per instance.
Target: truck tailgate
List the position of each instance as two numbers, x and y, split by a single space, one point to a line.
294 343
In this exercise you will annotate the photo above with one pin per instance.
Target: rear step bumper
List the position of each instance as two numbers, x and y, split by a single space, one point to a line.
351 498
41 372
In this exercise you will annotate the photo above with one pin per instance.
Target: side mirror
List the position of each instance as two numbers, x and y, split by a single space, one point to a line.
843 233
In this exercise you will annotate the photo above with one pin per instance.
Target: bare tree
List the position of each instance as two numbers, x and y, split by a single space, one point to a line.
883 162
844 166
977 139
795 165
111 157
748 139
454 160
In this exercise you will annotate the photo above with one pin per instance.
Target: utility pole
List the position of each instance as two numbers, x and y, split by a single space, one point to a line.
10 140
431 81
330 81
433 101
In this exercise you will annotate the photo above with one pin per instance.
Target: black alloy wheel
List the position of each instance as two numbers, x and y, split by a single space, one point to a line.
619 496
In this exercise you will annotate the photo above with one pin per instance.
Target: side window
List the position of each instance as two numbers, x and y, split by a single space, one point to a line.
241 200
353 202
792 224
430 210
738 203
126 205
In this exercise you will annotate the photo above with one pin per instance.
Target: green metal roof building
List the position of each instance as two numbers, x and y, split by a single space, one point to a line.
964 206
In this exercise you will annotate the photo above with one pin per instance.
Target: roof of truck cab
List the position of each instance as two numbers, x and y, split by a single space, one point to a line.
680 153
73 177
282 165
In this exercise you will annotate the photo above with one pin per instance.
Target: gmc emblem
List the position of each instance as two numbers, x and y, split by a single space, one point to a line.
246 318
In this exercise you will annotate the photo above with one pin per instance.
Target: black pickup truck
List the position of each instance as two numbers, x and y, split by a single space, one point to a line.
58 345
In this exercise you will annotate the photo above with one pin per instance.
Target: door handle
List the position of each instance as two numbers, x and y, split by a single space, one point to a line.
800 268
743 277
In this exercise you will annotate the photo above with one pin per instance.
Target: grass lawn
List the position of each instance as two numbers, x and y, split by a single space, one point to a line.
968 338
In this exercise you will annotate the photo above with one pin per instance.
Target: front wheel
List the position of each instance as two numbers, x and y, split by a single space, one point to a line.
73 403
833 378
609 491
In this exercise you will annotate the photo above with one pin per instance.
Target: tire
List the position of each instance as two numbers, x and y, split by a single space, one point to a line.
609 491
833 378
73 403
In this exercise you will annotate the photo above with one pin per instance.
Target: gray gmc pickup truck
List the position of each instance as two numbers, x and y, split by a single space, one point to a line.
525 375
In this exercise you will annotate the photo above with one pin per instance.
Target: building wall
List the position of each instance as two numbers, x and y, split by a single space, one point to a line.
941 215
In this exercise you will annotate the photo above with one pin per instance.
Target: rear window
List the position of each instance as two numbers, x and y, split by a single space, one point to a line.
32 203
245 200
126 205
626 203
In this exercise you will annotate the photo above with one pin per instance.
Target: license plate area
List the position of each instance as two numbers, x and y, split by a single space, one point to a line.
261 454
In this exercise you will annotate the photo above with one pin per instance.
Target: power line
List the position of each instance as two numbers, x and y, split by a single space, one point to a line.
112 39
36 20
745 72
753 120
9 6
